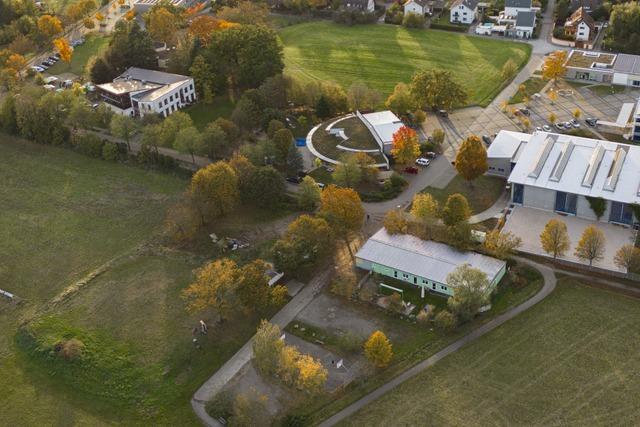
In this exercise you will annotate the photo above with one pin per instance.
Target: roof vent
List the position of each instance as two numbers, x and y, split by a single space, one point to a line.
561 162
594 165
616 167
547 145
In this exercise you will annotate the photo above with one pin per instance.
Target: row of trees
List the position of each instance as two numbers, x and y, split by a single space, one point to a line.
590 248
272 357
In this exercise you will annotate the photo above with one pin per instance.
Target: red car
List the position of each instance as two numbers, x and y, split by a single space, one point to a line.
411 169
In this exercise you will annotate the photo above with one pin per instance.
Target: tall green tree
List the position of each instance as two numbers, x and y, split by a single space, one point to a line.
437 89
308 194
245 56
123 127
471 291
348 172
456 210
189 140
266 188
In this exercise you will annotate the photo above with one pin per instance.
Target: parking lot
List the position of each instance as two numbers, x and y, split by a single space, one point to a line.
592 101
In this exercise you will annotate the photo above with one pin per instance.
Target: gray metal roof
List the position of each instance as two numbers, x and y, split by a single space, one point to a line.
518 3
626 63
526 19
151 76
423 258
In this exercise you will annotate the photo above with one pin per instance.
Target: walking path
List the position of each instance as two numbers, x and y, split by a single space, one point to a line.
548 287
493 212
213 385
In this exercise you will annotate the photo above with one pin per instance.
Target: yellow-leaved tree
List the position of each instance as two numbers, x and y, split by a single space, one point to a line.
378 349
343 210
215 286
64 49
214 190
471 159
312 376
405 145
424 208
49 26
628 258
554 66
554 238
591 245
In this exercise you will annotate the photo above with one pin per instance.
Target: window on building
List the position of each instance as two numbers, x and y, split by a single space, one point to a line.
395 273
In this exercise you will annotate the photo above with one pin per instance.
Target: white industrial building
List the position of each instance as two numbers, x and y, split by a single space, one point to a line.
382 125
619 69
138 92
557 173
423 263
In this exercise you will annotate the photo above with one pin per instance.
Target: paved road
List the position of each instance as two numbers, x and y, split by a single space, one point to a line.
548 287
213 385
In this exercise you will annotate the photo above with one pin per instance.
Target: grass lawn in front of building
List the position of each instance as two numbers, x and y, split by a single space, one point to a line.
481 194
570 360
531 85
202 114
383 55
94 45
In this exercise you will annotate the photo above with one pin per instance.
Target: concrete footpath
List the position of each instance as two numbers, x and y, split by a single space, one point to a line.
213 385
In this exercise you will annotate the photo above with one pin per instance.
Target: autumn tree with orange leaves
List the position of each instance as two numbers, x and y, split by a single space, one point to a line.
202 27
405 146
64 49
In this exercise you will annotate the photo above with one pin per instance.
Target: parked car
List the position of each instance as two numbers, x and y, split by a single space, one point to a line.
53 59
411 169
559 126
486 139
538 129
575 123
546 128
430 155
37 68
294 179
591 121
48 63
525 111
56 55
422 161
443 113
568 125
44 66
320 185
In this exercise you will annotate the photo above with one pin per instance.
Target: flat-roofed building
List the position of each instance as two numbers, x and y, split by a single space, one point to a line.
138 92
590 66
423 263
560 173
382 125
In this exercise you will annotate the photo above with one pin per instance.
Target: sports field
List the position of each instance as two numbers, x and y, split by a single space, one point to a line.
571 360
383 55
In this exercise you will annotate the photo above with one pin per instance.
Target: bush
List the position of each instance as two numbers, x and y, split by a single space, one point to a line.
221 405
426 315
413 20
449 27
90 145
70 349
445 321
394 14
110 152
349 342
352 17
390 189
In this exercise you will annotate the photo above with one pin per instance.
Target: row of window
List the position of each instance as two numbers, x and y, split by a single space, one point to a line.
406 277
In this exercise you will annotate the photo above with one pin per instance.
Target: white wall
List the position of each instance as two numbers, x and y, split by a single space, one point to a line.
540 198
413 7
582 34
465 15
495 164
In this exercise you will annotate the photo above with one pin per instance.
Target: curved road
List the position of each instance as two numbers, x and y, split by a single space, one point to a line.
548 287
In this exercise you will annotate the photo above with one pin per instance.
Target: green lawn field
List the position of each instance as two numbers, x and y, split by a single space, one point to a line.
63 216
383 55
484 192
570 360
94 45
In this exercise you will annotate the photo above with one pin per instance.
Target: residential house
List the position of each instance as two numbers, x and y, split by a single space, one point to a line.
367 6
463 11
525 24
513 7
558 173
138 92
423 263
423 7
581 26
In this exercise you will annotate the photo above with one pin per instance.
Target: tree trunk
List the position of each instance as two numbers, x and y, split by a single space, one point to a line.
346 241
193 159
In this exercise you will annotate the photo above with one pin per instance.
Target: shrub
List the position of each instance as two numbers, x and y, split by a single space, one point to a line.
598 205
349 342
378 349
413 20
426 315
90 145
221 406
445 321
70 349
110 152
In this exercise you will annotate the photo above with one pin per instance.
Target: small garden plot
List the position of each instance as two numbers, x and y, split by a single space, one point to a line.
531 86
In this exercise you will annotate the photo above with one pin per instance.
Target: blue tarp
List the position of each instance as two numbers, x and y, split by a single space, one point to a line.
301 142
